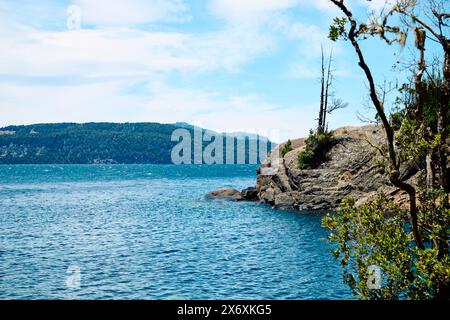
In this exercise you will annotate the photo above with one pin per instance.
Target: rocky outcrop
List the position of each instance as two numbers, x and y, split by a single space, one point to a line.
250 194
349 169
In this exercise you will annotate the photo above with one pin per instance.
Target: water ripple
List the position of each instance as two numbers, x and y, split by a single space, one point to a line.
147 232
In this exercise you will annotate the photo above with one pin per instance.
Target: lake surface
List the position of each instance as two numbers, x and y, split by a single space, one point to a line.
148 232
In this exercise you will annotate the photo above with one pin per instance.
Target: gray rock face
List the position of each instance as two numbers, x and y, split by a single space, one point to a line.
349 170
250 194
226 193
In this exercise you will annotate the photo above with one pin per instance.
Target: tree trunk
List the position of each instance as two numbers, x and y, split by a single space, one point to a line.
394 170
328 83
429 170
442 153
420 90
420 102
443 122
320 127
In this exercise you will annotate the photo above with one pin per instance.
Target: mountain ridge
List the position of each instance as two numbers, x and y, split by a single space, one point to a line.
97 143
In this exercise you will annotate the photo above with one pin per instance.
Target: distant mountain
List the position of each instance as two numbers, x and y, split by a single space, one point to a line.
97 143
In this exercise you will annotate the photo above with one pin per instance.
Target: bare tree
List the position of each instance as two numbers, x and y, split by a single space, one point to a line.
328 103
328 83
320 125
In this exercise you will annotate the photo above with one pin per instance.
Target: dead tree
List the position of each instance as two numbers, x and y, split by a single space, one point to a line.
320 125
328 103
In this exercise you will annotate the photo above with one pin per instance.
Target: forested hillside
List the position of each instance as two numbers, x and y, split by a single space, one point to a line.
89 143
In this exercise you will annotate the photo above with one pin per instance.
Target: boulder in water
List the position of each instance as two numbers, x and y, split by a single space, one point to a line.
226 193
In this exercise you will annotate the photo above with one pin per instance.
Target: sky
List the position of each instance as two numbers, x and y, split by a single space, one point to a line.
226 65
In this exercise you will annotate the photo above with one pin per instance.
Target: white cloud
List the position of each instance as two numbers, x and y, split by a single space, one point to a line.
320 4
311 38
125 55
229 113
375 4
26 104
85 58
332 9
105 102
124 52
304 70
249 10
130 12
90 53
260 10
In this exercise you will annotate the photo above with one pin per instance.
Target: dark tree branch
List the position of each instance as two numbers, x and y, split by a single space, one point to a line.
394 170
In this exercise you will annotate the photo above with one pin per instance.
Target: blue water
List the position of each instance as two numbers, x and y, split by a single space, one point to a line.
148 232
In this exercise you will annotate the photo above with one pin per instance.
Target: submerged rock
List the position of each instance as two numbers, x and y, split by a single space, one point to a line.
226 193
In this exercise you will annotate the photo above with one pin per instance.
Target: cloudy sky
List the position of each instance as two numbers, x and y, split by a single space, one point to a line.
227 65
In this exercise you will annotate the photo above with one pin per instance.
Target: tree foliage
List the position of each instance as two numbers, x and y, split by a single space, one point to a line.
287 147
410 244
316 146
97 143
379 234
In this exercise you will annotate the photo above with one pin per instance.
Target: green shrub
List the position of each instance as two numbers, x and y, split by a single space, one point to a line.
316 146
396 118
286 148
379 234
305 159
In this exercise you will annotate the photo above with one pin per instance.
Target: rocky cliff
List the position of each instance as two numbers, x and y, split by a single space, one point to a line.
349 169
